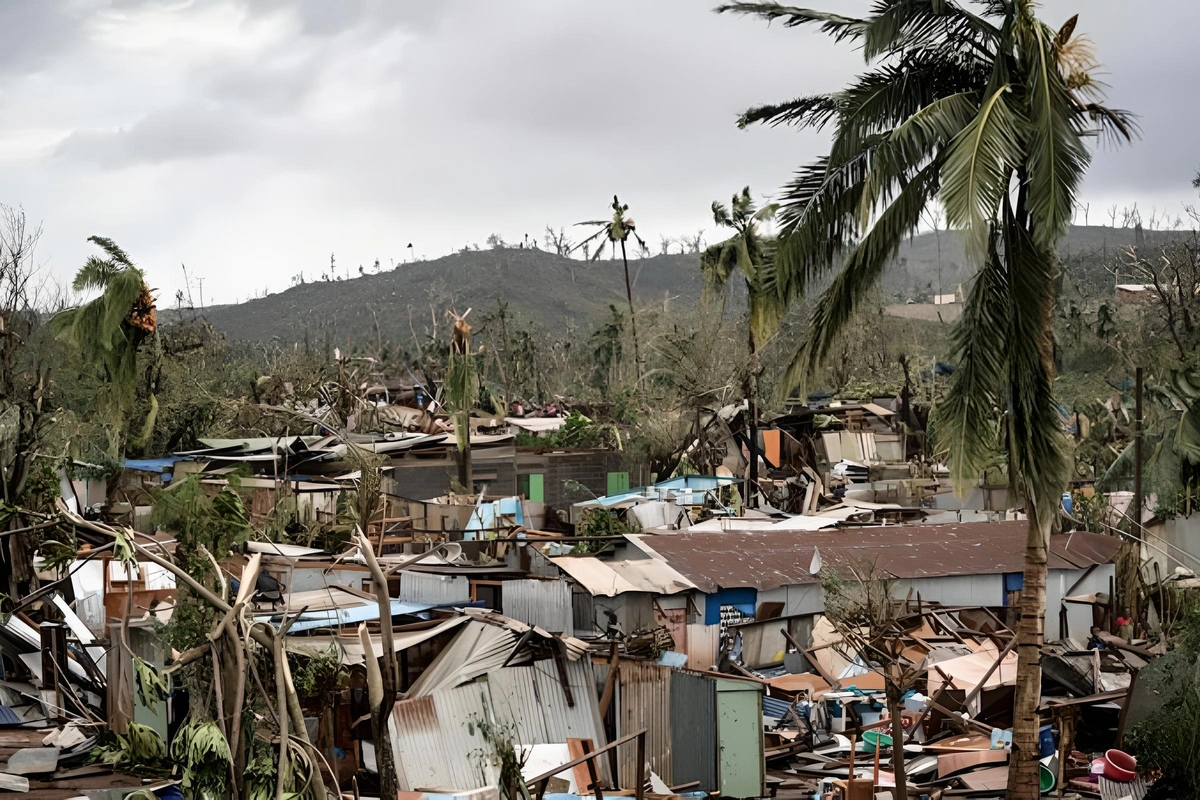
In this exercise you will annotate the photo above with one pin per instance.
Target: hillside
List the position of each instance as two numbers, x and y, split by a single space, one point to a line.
554 291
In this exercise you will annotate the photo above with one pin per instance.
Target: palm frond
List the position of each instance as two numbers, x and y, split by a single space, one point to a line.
862 269
813 111
965 427
979 166
838 26
110 248
1056 158
1115 125
1037 443
879 100
904 24
94 274
818 220
911 144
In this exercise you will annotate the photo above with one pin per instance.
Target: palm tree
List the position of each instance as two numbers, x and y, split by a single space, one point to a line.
616 231
108 330
748 251
987 110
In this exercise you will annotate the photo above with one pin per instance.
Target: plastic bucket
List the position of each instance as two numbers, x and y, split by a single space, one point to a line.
874 739
1045 778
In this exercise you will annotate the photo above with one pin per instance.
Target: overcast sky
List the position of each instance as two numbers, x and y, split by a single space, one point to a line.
249 139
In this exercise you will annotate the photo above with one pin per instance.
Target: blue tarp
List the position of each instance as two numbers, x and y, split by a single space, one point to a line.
159 465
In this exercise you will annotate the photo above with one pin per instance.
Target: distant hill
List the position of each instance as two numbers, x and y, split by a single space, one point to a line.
552 290
538 285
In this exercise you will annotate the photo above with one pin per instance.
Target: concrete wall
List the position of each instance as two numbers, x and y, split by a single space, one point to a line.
589 468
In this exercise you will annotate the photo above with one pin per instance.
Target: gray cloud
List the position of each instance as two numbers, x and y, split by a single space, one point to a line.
293 129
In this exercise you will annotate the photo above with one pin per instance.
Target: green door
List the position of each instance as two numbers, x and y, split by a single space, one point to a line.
618 483
739 739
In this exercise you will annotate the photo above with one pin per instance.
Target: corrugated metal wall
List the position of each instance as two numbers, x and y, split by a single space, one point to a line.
645 702
693 730
546 604
433 740
420 587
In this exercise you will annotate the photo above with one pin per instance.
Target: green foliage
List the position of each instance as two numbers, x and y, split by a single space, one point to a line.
152 685
1166 743
204 755
598 522
317 675
197 520
577 432
139 750
500 753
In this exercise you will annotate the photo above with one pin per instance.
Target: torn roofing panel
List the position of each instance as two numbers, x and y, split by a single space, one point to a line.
350 649
769 559
611 578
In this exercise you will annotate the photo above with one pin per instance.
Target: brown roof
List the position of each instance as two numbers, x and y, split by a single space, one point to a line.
769 559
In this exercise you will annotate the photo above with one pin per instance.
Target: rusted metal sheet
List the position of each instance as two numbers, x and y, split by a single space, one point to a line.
694 730
546 604
432 739
420 587
435 740
645 702
769 559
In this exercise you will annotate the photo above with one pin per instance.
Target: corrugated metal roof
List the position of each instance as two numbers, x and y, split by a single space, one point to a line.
436 746
543 604
611 578
478 649
768 559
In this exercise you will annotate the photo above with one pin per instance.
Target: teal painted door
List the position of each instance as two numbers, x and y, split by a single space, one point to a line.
739 739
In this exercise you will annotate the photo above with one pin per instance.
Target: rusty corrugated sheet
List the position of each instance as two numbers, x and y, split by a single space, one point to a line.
432 740
435 744
645 702
546 604
769 559
694 730
420 587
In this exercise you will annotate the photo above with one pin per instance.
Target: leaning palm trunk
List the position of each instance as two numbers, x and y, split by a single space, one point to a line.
637 354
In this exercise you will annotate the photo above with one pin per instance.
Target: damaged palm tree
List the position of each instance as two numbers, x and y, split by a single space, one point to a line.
108 330
462 390
616 231
750 253
986 109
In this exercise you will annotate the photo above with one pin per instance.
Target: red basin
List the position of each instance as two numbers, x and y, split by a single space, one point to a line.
1119 766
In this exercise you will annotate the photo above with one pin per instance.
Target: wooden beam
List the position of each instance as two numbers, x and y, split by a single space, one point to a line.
587 756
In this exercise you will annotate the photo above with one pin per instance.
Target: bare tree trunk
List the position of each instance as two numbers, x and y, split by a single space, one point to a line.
637 353
1023 766
383 686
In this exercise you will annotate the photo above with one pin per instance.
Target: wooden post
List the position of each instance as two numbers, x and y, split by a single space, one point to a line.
640 791
1135 526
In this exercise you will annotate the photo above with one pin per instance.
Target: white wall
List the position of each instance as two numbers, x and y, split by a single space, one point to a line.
1059 583
956 590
